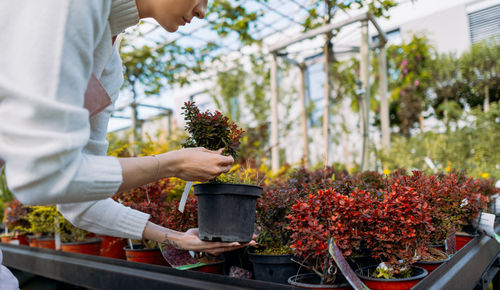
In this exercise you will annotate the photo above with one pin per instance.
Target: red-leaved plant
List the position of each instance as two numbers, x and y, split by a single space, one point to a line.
465 200
393 223
181 221
211 130
401 229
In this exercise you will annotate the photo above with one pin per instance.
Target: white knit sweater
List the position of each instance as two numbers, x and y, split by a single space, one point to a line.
53 152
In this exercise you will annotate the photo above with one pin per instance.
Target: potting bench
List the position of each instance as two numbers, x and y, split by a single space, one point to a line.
475 266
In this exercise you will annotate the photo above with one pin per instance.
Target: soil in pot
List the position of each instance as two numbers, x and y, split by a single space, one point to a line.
90 247
434 260
390 284
226 212
46 243
312 281
112 247
143 255
463 238
440 247
273 268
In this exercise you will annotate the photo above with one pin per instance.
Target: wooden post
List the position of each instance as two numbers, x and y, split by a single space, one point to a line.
303 115
326 112
365 76
384 105
275 158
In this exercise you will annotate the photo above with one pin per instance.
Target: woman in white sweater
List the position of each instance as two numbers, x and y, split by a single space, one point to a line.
54 150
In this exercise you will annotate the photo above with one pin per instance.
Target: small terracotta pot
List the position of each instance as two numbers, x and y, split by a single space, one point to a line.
312 281
148 256
20 239
463 239
33 243
6 240
90 247
390 284
46 243
112 247
431 266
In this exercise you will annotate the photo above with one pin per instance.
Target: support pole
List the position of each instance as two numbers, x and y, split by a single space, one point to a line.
275 158
303 115
365 75
326 113
384 106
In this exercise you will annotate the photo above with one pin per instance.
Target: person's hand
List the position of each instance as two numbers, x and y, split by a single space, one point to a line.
200 164
192 242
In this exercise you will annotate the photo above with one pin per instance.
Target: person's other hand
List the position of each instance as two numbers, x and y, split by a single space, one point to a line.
200 164
192 242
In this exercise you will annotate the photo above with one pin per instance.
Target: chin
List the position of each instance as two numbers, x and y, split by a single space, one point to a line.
171 27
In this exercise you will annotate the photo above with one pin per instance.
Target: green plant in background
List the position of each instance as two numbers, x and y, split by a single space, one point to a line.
70 233
409 66
474 148
5 194
43 220
481 68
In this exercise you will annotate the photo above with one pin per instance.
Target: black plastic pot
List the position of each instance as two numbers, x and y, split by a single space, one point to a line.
273 268
226 212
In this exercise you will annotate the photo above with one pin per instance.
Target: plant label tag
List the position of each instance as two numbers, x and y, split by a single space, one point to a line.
450 244
185 194
464 202
486 225
495 204
344 267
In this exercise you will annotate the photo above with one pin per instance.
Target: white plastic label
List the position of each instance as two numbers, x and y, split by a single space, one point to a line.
486 225
185 194
464 202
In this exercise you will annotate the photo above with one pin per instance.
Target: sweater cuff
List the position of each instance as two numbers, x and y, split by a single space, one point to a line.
123 15
132 223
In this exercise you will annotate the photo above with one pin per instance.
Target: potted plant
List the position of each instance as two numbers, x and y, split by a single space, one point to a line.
15 221
273 260
443 219
43 224
226 212
468 202
151 199
311 227
76 240
397 233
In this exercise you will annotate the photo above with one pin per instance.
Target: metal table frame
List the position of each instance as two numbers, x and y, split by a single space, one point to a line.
475 266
